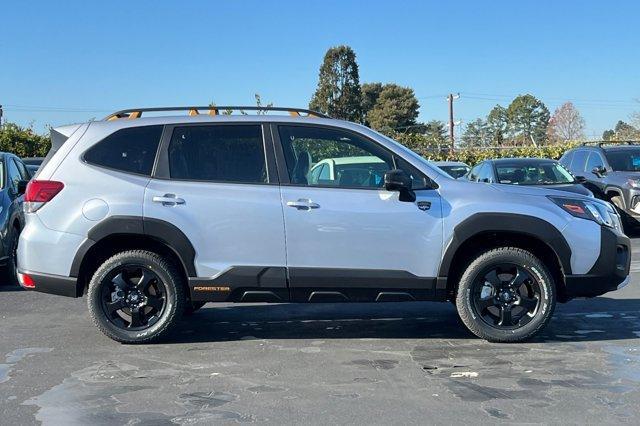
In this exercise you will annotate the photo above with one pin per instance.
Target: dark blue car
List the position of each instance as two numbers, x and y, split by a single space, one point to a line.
13 182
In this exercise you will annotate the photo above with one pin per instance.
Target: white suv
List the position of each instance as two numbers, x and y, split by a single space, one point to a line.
152 217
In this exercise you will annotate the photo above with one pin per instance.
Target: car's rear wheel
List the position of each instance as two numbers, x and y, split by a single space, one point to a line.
506 295
136 297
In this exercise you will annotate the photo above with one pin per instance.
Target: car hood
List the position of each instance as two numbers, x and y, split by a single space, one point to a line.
542 191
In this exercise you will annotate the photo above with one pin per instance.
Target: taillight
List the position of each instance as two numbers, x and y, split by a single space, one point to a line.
26 281
39 192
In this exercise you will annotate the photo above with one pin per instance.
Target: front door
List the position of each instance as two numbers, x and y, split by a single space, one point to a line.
347 238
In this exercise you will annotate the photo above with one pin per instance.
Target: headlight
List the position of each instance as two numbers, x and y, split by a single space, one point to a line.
599 211
634 183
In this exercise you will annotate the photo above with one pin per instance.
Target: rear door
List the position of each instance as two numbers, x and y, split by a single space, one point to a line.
217 183
347 238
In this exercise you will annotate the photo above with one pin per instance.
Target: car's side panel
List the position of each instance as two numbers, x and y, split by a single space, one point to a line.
462 200
362 229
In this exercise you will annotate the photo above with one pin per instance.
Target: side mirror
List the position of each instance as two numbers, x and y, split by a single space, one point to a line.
399 180
22 186
581 179
599 171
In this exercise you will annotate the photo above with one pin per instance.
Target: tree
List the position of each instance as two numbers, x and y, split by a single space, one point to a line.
396 108
528 119
23 141
338 93
566 124
370 94
497 125
608 135
623 131
476 134
435 131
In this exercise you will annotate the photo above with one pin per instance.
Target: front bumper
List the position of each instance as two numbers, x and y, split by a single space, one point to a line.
609 273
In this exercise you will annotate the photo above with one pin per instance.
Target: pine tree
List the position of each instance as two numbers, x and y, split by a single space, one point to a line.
338 94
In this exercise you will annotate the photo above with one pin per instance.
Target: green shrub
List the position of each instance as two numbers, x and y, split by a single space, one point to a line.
23 141
439 151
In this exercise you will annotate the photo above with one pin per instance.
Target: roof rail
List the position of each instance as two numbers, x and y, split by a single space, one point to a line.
212 110
601 143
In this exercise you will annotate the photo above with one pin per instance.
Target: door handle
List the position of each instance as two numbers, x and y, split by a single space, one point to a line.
303 204
168 200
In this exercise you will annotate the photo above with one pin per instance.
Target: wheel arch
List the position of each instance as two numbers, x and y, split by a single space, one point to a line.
484 231
120 233
613 191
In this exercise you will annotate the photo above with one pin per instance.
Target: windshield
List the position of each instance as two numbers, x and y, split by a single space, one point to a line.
455 171
533 173
624 160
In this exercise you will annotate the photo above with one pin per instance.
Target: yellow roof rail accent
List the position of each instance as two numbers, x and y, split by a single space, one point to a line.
213 110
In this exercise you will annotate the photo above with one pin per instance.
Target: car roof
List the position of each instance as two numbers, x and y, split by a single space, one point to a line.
353 160
498 161
450 163
109 126
608 147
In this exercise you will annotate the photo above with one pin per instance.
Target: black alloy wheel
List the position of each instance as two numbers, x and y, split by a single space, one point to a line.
137 296
506 296
133 297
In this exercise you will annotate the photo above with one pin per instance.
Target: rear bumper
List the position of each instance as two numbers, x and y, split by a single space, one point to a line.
610 272
52 284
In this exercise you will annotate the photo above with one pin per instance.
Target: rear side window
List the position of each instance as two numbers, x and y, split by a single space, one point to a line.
218 153
131 150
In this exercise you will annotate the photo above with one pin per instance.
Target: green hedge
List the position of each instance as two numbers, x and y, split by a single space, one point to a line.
23 141
439 150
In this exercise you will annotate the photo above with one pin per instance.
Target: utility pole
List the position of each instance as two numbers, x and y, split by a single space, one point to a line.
451 98
1 115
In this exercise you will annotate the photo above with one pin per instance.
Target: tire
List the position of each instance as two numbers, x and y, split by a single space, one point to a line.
511 306
192 307
140 288
10 272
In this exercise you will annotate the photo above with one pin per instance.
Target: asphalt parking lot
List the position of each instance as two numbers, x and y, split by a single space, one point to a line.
289 364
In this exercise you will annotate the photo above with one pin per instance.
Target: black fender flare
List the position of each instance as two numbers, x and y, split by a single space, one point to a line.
614 190
159 230
513 223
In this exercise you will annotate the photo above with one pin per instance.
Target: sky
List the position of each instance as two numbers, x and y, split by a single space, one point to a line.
70 61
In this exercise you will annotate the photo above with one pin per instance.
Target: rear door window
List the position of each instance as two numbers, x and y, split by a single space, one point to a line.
24 173
131 150
218 153
14 174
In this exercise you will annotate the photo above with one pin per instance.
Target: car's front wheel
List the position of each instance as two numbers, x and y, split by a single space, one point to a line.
136 297
506 295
